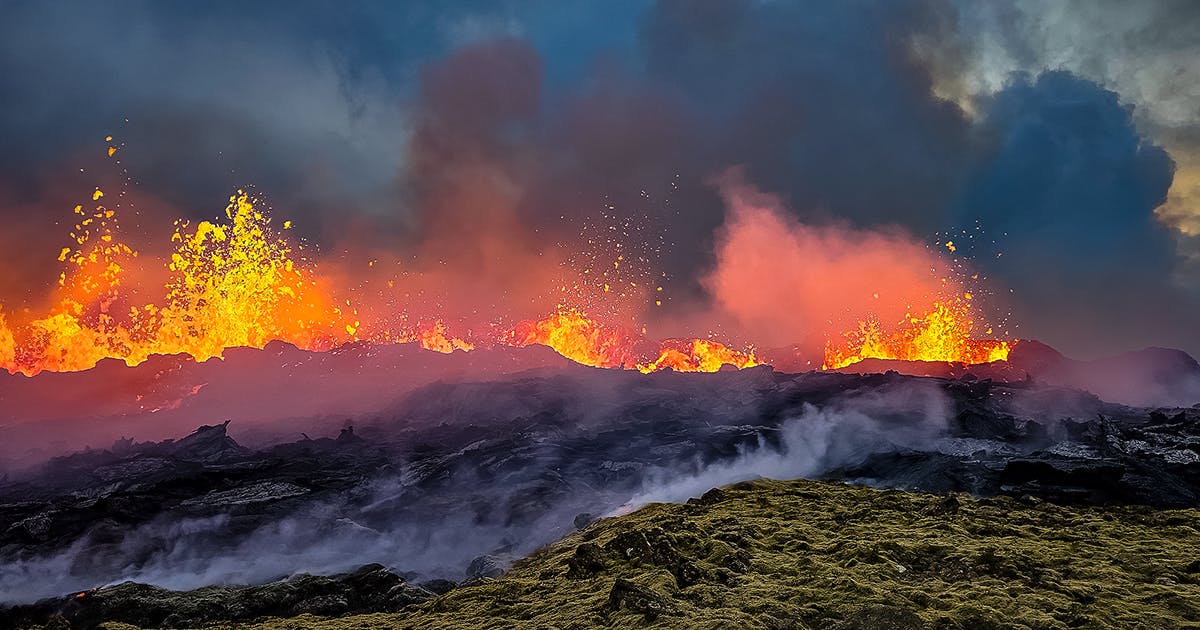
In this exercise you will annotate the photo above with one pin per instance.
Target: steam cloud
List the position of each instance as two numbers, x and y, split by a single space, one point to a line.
841 433
792 283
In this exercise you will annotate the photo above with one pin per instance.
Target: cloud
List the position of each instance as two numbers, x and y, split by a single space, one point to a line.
787 282
1073 186
1144 52
825 105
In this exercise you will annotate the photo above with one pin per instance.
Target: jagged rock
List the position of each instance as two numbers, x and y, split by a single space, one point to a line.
346 436
587 561
257 493
208 444
652 546
518 464
371 588
489 566
713 496
688 573
947 506
439 586
583 519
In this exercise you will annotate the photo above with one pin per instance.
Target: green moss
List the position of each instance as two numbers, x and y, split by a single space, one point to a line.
801 554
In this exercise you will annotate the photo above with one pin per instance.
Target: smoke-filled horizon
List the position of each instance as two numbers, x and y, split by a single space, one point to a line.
481 146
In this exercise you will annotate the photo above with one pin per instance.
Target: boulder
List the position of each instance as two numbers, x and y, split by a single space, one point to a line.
489 566
629 595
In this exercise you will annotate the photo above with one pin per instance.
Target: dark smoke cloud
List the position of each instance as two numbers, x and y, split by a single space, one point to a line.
826 104
1144 52
389 125
1073 186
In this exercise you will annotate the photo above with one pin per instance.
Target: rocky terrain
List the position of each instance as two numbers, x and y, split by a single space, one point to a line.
371 588
457 479
276 393
771 554
765 554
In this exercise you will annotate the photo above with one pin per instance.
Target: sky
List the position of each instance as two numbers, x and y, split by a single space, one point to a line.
1065 133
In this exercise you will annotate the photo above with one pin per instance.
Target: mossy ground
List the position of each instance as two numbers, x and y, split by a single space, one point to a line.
802 554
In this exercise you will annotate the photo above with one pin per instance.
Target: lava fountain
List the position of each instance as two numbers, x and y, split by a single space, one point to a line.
241 281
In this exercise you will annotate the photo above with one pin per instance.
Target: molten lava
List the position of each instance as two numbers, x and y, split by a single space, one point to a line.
437 338
583 340
942 334
236 283
231 284
240 282
697 355
8 345
571 334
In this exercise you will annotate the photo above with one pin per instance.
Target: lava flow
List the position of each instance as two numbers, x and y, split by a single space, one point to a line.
237 283
573 335
240 283
230 284
943 334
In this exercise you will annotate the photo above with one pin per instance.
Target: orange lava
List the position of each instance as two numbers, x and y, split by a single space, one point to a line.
583 340
943 334
578 338
240 282
237 283
697 355
231 283
437 338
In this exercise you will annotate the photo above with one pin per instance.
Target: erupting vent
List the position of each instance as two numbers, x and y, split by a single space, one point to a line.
231 284
942 334
240 282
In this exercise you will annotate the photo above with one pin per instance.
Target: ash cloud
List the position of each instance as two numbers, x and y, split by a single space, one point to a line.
1128 70
467 140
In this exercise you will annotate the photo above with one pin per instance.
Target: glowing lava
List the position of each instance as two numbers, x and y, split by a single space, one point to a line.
583 340
238 282
942 334
697 355
437 338
571 334
8 345
235 283
231 284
